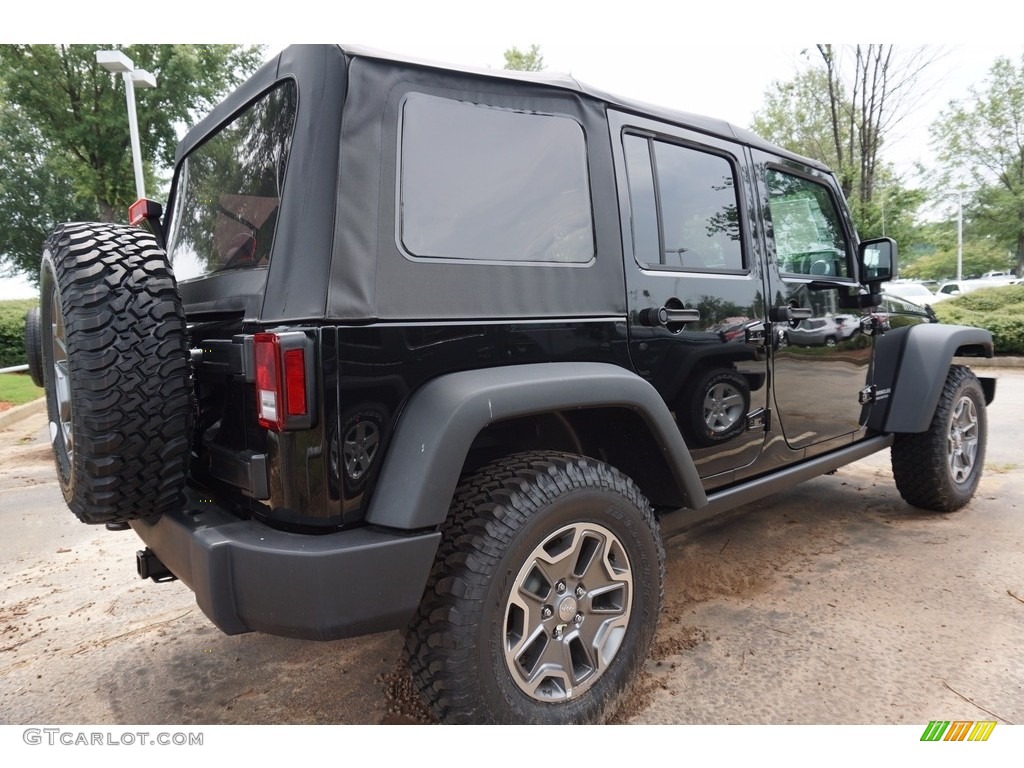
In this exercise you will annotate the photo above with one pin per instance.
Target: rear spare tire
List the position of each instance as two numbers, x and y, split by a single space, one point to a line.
118 378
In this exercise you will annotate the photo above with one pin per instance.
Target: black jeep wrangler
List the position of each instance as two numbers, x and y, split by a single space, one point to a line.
452 351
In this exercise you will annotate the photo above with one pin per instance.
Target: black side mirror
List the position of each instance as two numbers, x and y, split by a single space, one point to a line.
877 261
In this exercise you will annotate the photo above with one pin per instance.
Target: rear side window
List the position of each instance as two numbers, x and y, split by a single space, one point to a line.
684 205
229 190
482 183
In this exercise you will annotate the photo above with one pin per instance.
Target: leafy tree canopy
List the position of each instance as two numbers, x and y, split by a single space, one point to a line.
524 61
839 109
979 257
980 142
65 152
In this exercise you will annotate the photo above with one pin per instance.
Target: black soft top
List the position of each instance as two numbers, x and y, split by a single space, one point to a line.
335 255
309 59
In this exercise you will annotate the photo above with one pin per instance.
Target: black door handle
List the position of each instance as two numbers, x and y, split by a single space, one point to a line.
663 316
790 313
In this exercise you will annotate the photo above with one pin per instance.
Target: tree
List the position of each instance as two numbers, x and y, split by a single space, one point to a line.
981 144
979 256
796 115
65 152
33 189
865 105
840 110
524 61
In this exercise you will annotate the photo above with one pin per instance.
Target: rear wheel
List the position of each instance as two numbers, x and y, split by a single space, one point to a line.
940 469
118 379
544 597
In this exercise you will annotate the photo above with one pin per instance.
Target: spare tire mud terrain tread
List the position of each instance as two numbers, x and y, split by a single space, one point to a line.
118 377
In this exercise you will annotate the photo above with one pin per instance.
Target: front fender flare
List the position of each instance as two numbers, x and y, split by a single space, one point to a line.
911 363
442 418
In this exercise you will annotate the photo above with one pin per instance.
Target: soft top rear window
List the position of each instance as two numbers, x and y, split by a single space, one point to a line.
229 190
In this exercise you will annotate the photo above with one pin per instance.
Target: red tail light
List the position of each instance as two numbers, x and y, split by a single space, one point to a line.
142 211
283 380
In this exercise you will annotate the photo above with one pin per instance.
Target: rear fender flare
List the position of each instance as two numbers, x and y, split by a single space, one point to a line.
442 418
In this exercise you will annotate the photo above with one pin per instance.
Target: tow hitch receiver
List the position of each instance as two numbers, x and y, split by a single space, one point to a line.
150 567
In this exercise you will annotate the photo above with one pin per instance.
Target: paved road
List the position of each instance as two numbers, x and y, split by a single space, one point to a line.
833 603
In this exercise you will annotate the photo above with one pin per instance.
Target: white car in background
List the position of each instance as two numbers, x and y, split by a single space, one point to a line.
953 288
917 293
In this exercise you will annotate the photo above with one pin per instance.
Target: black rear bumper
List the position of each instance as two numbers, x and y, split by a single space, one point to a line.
248 577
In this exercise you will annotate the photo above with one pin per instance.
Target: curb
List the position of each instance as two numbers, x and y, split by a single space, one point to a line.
990 362
20 412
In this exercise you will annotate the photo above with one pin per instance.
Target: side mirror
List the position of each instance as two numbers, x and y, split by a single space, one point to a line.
877 261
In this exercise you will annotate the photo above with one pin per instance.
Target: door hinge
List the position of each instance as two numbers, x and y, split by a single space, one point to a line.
872 394
755 334
759 420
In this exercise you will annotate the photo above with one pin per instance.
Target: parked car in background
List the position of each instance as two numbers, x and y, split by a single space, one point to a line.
953 288
822 331
918 293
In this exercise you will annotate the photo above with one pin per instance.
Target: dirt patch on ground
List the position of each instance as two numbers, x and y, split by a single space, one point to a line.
404 704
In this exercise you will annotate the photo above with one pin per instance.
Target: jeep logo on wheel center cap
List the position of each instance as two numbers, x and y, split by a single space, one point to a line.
567 608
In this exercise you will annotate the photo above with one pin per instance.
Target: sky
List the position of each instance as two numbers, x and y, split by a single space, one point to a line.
714 59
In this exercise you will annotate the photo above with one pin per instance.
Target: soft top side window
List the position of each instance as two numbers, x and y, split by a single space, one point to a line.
483 183
229 190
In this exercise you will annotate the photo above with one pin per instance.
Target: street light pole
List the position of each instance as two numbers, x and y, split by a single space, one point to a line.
115 61
959 236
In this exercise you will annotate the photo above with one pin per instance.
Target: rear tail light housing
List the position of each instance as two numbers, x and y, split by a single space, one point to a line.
283 368
142 211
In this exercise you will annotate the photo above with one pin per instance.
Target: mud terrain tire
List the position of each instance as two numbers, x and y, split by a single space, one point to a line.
940 469
118 378
545 594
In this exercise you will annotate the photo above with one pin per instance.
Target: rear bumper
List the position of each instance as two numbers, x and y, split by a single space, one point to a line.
249 577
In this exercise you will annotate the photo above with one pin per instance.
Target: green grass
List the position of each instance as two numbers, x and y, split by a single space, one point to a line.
17 388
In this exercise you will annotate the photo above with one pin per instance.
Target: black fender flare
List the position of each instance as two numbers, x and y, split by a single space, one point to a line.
910 371
442 418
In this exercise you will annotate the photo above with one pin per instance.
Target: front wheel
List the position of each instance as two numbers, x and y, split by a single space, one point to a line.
940 469
544 597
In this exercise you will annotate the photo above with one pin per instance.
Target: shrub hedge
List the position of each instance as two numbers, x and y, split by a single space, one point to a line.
12 331
1000 310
